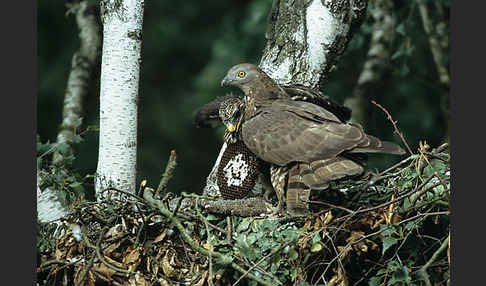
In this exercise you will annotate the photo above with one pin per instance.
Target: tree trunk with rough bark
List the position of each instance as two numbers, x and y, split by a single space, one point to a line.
120 68
304 41
377 60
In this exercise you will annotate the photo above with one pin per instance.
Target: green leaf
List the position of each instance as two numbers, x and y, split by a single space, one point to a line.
374 281
382 271
211 217
316 238
243 225
291 235
396 55
63 148
390 229
293 255
411 225
77 139
401 274
388 242
224 260
252 237
316 247
400 29
39 163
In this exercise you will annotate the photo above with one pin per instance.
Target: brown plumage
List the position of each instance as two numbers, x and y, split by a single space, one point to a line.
208 114
239 168
309 140
230 113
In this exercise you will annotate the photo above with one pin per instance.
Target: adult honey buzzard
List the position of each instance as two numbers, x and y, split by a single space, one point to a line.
304 140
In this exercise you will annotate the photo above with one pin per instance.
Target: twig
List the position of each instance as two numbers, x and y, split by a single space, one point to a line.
421 193
178 205
139 199
47 264
85 272
335 250
99 254
223 259
387 203
228 229
423 270
388 116
209 224
260 261
210 258
349 245
143 184
423 215
330 205
169 170
409 158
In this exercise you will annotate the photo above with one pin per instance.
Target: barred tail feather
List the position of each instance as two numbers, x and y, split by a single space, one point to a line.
375 145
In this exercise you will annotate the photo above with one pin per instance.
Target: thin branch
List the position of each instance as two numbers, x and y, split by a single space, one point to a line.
210 258
402 197
348 246
389 117
86 270
424 215
260 261
330 205
168 173
157 204
97 249
423 270
139 199
421 193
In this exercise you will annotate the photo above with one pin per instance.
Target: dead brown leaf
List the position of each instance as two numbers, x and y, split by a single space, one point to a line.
104 270
339 279
161 236
138 280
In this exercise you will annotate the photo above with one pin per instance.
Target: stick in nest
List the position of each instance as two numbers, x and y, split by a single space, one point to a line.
169 170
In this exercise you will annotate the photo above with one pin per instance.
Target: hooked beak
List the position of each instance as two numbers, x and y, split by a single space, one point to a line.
233 127
225 82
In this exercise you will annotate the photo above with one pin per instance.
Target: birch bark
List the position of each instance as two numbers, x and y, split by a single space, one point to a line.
120 67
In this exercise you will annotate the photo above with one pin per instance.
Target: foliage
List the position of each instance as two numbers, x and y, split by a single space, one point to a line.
385 241
61 177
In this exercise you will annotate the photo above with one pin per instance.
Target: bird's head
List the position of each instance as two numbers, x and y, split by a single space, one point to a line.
230 112
241 76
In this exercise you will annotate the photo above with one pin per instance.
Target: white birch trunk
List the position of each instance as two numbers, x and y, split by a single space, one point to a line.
49 207
306 38
120 66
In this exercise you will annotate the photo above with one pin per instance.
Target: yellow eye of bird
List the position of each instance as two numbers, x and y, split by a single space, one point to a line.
241 74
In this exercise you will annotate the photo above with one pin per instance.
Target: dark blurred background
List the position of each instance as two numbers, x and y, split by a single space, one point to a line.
188 47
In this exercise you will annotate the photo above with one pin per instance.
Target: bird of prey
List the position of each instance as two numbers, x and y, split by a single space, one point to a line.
208 114
309 143
238 168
